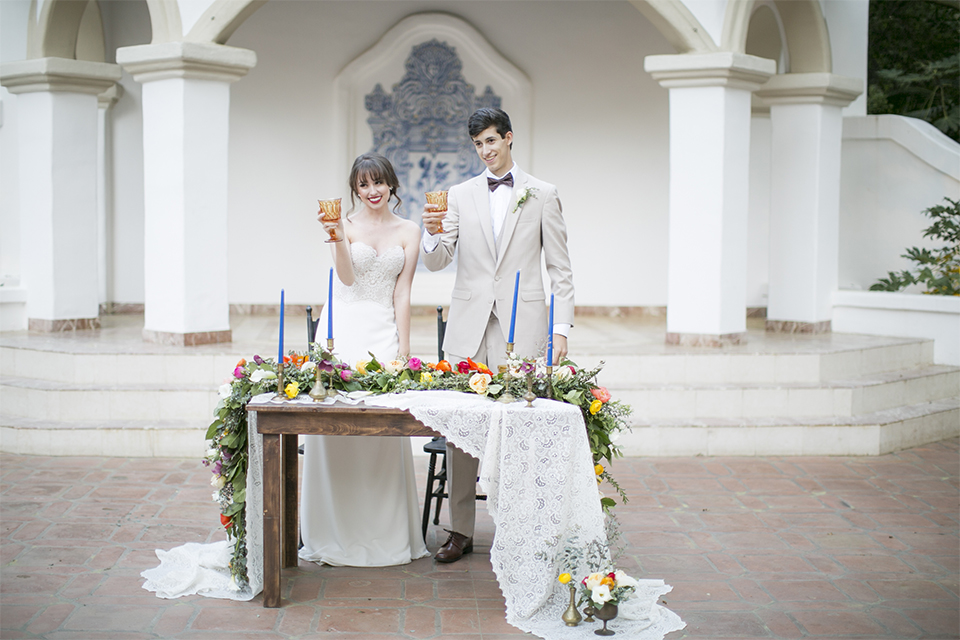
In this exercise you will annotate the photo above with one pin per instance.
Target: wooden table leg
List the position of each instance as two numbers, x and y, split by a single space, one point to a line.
271 520
290 531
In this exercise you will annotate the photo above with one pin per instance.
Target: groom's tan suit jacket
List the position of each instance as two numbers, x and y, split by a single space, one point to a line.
487 266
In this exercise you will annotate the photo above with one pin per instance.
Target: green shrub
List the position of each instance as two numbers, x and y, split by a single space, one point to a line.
937 269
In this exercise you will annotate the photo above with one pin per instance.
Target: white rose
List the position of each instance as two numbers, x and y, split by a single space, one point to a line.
479 382
225 390
309 365
262 374
601 594
593 580
394 366
218 481
213 453
623 580
562 373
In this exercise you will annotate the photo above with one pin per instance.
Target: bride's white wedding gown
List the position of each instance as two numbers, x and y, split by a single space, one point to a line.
358 504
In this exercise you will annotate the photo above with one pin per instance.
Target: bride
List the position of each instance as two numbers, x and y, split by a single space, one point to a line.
359 499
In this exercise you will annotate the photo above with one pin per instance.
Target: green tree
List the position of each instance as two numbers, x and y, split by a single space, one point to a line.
914 61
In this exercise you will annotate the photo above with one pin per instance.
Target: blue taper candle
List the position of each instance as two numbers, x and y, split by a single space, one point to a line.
513 312
330 307
280 352
550 335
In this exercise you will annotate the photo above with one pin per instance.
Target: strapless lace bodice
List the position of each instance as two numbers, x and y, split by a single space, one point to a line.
376 275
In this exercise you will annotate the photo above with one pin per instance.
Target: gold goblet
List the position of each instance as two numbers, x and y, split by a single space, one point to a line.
331 213
438 198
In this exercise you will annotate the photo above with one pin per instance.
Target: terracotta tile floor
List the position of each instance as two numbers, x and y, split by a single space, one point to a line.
754 548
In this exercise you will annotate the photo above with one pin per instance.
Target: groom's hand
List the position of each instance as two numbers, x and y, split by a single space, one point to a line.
559 348
432 220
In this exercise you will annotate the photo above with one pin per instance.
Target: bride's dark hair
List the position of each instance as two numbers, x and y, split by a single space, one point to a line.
373 166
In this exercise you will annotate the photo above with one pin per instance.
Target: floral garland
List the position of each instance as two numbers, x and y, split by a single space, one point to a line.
227 435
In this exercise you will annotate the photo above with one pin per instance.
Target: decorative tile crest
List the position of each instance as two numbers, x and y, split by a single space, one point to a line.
421 127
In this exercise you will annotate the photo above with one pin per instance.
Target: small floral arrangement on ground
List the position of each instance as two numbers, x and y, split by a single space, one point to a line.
227 435
612 587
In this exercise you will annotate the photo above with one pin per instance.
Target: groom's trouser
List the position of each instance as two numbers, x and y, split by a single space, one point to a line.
462 467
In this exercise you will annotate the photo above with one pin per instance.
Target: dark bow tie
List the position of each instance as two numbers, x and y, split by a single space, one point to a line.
493 183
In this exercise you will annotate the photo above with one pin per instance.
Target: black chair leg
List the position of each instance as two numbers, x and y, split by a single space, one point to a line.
441 490
428 495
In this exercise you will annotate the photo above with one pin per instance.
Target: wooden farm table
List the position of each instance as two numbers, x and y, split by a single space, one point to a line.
280 423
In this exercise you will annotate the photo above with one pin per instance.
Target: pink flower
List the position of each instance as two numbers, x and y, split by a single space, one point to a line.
414 364
238 372
346 374
463 367
601 394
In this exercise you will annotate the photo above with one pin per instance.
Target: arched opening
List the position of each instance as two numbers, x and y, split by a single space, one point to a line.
66 29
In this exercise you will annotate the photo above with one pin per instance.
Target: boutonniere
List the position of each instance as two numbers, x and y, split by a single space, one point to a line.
529 192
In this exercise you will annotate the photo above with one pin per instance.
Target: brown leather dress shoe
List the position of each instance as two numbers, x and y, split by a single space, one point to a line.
454 548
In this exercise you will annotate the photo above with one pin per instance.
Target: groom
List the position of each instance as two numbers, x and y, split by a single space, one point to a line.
502 221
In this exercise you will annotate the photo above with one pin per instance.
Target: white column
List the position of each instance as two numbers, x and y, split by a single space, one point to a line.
709 175
186 114
806 132
104 192
57 113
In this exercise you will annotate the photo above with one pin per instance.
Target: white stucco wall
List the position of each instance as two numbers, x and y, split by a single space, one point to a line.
892 168
600 134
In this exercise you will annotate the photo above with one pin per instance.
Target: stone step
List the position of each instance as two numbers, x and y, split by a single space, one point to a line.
749 400
121 438
699 366
48 400
800 362
868 434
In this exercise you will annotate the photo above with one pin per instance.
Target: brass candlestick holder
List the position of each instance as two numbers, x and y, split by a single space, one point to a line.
507 396
280 393
529 396
318 392
550 381
331 391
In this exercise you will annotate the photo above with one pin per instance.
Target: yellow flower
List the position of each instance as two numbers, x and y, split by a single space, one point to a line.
425 378
292 390
598 469
564 578
362 367
595 406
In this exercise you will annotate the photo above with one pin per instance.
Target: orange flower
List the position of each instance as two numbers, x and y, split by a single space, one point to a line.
482 368
226 521
473 365
242 363
601 394
443 365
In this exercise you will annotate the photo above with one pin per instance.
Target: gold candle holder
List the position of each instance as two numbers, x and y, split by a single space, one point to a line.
331 392
280 393
530 396
438 198
331 213
550 381
507 397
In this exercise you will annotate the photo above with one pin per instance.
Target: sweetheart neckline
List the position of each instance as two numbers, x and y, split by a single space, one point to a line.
375 252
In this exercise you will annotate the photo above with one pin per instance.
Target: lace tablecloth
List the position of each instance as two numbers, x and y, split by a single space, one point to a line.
537 472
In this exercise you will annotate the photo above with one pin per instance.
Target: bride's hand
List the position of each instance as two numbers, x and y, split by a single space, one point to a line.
331 225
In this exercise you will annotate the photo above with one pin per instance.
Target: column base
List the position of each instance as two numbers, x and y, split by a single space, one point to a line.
790 326
706 339
64 324
187 339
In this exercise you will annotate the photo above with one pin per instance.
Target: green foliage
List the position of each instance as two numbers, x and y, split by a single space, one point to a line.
914 62
937 269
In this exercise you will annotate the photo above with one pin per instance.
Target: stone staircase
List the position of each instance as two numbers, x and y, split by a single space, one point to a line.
846 401
110 394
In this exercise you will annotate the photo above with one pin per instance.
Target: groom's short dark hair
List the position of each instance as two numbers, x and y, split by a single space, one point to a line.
489 117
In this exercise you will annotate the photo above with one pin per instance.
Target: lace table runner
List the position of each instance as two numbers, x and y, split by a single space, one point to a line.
537 471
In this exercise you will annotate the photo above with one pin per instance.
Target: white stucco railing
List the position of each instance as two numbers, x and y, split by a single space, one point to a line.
910 315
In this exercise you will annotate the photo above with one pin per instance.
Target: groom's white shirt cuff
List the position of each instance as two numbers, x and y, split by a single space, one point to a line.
429 242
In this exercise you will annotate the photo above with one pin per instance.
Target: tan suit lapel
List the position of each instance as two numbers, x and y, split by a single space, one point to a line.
481 204
510 221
